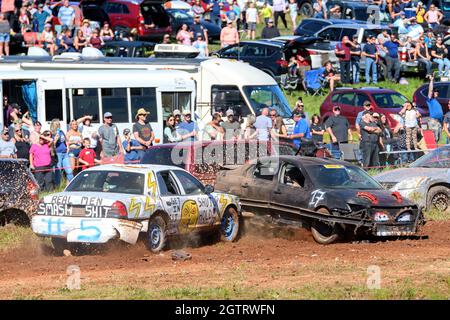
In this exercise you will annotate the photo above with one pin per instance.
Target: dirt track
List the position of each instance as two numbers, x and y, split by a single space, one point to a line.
255 263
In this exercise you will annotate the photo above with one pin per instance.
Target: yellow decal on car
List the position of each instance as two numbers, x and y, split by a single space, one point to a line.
333 166
135 205
149 204
189 216
151 183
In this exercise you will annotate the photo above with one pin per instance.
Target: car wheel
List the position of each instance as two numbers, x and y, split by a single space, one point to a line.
323 232
438 199
306 9
229 226
382 72
156 234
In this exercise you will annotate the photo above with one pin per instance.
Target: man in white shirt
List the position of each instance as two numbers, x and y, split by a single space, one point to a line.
263 125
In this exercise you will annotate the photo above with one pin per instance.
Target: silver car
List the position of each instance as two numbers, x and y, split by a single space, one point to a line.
425 181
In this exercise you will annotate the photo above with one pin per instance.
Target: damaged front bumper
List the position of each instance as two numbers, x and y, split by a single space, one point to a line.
86 230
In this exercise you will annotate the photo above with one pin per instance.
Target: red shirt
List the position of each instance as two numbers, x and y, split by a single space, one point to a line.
87 155
346 48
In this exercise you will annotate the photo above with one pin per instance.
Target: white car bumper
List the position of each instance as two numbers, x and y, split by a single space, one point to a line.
87 230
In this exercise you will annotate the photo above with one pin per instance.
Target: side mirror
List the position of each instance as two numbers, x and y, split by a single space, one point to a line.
209 189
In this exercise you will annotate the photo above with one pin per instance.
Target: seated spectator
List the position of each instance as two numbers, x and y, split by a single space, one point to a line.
330 75
106 34
7 146
95 41
292 67
439 55
87 155
86 28
67 42
48 39
41 161
80 42
423 56
415 31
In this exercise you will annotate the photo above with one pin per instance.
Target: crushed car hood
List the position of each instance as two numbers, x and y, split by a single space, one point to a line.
368 197
398 175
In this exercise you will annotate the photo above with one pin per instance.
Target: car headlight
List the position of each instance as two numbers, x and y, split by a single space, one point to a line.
412 183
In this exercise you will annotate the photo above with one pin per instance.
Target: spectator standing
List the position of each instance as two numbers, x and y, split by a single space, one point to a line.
215 6
87 155
131 147
387 137
270 31
301 130
336 12
202 46
343 53
177 115
166 39
433 16
7 147
47 7
41 17
197 8
435 110
420 13
423 55
5 30
106 34
338 127
213 130
89 131
410 115
184 36
252 20
279 10
24 20
370 52
392 61
320 10
74 143
383 37
197 28
188 128
143 131
263 125
317 129
367 105
21 142
231 127
293 13
229 35
355 57
170 131
446 124
429 39
266 13
439 55
370 138
66 15
60 144
109 137
279 128
41 161
250 131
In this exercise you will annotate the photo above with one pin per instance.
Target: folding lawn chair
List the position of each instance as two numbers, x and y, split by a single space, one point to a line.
313 82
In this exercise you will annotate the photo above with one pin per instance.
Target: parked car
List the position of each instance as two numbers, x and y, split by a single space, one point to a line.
326 196
308 27
19 192
121 201
426 181
421 94
359 10
200 160
94 12
130 49
351 100
179 17
126 15
268 55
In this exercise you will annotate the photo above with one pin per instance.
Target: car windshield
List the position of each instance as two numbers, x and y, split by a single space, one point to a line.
389 100
268 96
108 181
438 158
334 176
114 51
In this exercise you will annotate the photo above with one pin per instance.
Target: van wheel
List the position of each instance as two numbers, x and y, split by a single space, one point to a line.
156 234
325 232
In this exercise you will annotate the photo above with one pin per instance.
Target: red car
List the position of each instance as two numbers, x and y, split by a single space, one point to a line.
351 100
421 94
148 17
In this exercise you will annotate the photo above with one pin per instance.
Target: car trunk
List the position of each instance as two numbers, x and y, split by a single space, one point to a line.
299 46
153 11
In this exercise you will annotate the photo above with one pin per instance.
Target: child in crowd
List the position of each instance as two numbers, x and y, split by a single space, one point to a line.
131 147
87 156
201 46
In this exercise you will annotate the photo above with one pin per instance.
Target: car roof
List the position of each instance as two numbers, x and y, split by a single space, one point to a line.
299 160
358 25
364 89
265 42
334 21
138 168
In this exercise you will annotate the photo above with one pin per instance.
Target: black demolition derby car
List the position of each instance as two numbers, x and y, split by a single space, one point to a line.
331 198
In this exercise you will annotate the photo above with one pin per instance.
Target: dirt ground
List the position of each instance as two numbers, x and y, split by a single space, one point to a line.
254 267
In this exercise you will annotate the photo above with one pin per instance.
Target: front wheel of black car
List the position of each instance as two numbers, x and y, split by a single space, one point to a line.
156 234
325 232
438 199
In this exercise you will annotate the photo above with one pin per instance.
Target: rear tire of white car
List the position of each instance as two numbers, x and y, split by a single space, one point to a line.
229 226
61 244
438 198
323 232
156 234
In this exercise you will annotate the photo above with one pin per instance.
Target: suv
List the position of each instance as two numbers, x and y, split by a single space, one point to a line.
351 100
268 55
308 27
421 94
19 192
126 15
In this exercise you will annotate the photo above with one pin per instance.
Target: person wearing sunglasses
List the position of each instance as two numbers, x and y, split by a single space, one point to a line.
423 56
7 146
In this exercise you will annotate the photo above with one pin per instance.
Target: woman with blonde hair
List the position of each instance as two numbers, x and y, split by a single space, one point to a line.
279 129
74 142
59 139
250 131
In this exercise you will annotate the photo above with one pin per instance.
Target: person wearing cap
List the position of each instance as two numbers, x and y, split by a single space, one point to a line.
367 105
371 54
177 115
415 30
355 57
401 23
143 131
131 147
231 127
229 35
197 28
370 138
187 129
7 147
89 131
66 15
270 31
213 130
48 39
338 127
109 137
201 45
41 17
301 129
435 109
86 28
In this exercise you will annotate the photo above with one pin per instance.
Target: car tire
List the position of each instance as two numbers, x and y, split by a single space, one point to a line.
306 10
229 225
438 198
156 234
382 72
322 232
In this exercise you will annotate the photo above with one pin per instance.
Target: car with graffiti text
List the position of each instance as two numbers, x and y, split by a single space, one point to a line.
327 196
121 201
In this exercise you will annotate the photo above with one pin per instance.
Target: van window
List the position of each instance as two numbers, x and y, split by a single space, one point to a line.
53 105
84 101
175 100
349 32
144 98
115 100
228 97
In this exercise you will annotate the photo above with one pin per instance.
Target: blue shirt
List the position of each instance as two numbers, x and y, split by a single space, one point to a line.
392 48
60 145
370 49
66 14
215 10
359 117
302 126
435 109
133 155
41 17
187 127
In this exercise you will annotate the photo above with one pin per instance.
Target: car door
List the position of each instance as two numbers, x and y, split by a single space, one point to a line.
291 191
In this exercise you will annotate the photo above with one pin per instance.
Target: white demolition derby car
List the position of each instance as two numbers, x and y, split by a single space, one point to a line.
120 201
